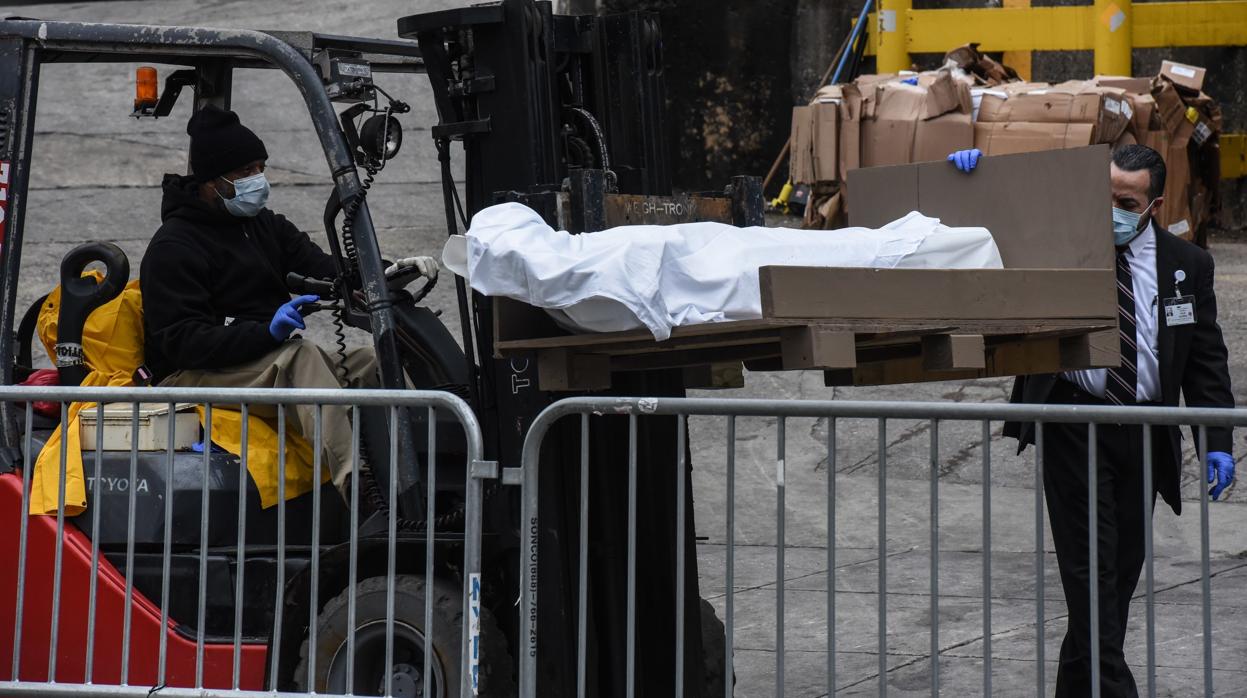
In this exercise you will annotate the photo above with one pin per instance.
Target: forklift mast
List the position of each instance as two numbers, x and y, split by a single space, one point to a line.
536 98
565 114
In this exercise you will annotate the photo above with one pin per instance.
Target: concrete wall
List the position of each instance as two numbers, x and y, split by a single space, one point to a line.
735 67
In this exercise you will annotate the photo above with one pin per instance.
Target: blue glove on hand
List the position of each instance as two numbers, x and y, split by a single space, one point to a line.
1220 472
287 318
966 160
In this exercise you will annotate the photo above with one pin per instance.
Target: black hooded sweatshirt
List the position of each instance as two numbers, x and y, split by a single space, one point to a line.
212 281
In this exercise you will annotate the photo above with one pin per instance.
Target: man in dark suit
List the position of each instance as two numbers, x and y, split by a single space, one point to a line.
1171 346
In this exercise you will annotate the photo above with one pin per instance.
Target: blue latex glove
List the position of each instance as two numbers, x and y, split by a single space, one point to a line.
966 160
287 318
910 81
1220 472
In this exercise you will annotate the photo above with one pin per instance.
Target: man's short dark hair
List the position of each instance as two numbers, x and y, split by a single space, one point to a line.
1132 158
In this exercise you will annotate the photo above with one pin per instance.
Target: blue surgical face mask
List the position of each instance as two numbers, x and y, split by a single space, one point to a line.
1126 224
250 195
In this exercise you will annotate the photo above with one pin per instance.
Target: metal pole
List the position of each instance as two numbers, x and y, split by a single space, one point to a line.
1114 25
883 558
681 429
96 505
831 557
987 558
631 622
167 558
28 477
239 583
780 511
60 548
353 566
582 594
203 547
279 602
318 441
472 509
1040 687
429 548
391 554
1205 572
892 54
1093 552
1149 581
730 500
126 622
935 557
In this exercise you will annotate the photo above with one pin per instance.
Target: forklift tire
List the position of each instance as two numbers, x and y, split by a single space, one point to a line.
409 594
713 647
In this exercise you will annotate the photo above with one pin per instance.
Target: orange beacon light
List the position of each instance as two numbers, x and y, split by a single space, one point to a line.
145 89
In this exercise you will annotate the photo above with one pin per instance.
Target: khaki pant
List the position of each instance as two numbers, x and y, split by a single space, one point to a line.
299 363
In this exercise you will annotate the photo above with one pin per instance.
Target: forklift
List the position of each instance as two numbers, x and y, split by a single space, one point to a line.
563 113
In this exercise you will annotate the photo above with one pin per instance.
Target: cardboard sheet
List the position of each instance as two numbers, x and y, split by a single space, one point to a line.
1045 210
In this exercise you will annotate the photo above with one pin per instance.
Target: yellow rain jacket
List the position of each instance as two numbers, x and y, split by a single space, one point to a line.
112 344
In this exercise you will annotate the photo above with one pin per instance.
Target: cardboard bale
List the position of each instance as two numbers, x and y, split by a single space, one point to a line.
916 123
1007 138
888 137
814 155
800 153
944 93
1130 85
1176 213
988 70
1144 119
1070 102
1172 112
1190 77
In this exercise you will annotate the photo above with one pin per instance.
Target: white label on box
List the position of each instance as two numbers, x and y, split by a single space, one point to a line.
1112 105
1202 132
1037 92
887 21
1127 110
1182 227
1183 71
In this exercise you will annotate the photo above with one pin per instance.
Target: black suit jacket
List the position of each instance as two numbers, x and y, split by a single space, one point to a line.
1193 363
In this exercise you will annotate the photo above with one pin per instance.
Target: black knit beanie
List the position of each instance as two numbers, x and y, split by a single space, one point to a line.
220 143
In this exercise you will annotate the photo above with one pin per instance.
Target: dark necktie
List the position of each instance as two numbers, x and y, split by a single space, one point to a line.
1121 383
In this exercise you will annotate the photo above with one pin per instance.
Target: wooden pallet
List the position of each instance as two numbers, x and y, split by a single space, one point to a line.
852 352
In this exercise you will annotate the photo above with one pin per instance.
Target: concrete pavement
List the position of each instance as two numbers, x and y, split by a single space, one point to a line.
97 178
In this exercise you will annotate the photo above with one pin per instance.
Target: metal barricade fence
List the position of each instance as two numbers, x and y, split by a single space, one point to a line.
681 409
56 658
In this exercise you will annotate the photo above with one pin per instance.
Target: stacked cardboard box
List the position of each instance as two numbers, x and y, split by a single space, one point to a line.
1174 117
974 101
880 120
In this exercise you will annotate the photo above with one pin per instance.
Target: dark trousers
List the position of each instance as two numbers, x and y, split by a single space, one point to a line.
1120 510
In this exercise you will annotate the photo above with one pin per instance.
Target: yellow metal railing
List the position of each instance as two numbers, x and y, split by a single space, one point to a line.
1111 28
1106 27
1233 155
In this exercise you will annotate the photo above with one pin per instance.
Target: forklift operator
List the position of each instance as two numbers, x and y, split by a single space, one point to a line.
217 311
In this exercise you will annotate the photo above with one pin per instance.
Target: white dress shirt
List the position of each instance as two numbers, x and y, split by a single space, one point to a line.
1141 253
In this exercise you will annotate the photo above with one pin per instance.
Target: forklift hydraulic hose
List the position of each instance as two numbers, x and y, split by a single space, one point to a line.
461 291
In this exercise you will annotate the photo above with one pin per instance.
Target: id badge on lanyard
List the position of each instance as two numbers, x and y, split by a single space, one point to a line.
1179 310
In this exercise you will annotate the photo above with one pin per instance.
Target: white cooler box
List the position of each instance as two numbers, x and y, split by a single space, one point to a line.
152 433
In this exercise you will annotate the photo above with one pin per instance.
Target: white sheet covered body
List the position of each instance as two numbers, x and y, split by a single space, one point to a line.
660 277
